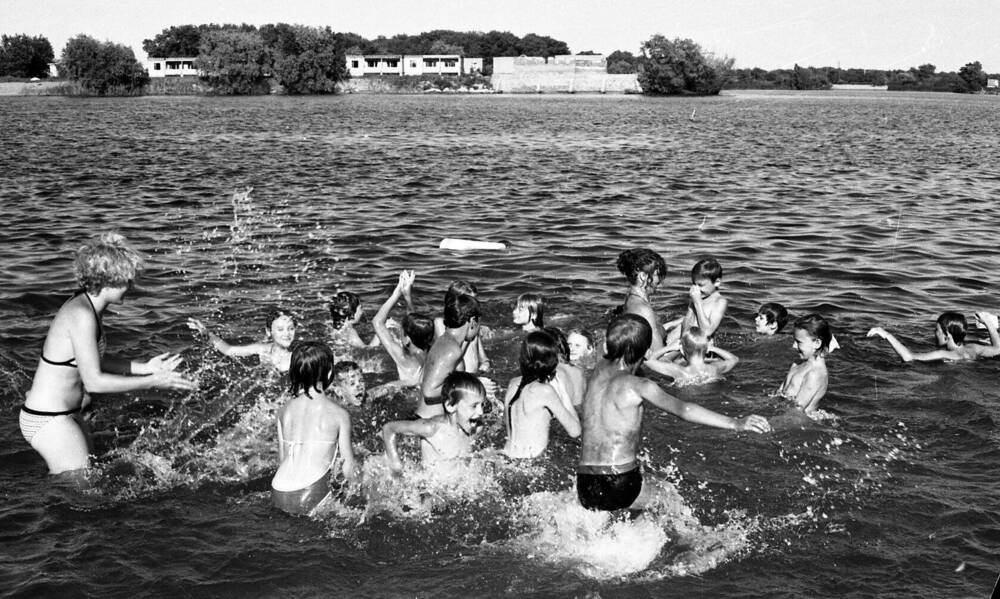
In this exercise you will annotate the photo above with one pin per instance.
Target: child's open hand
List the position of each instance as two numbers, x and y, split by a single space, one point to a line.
754 423
405 280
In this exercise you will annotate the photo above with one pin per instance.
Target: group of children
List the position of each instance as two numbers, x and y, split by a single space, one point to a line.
443 357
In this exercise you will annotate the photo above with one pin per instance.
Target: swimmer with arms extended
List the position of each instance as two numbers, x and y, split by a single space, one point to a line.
949 331
448 435
313 432
608 475
274 353
461 321
73 363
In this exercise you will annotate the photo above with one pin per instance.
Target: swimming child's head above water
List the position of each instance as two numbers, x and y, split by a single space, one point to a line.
280 327
349 382
812 336
529 310
562 343
464 399
951 324
311 368
628 338
345 308
694 343
771 318
580 342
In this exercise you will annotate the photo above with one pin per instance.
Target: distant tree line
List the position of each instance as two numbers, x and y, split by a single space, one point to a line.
24 57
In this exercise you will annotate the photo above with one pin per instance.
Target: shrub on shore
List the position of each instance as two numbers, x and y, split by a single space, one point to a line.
101 68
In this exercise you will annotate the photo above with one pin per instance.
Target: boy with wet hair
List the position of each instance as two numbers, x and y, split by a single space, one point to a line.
694 366
608 476
349 383
950 332
461 322
771 318
448 435
707 306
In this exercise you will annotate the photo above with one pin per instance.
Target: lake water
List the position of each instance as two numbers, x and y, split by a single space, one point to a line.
869 208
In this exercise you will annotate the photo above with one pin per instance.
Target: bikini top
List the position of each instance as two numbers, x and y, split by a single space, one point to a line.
101 342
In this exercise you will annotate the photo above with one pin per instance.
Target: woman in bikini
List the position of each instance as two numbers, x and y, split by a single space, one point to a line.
73 363
313 432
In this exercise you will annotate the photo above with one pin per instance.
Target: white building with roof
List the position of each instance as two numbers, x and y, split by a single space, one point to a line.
361 65
170 67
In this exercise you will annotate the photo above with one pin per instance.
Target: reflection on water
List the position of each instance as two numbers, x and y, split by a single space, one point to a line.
872 209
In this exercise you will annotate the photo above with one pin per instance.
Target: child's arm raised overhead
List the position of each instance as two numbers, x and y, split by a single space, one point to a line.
382 332
990 321
727 361
906 354
420 428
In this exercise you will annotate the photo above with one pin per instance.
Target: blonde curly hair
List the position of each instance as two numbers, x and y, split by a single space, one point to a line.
107 261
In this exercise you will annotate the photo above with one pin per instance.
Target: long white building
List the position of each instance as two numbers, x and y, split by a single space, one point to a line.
359 65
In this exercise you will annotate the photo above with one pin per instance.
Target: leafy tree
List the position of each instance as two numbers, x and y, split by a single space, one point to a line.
679 67
103 68
972 79
309 62
443 47
23 56
542 45
234 62
182 40
620 62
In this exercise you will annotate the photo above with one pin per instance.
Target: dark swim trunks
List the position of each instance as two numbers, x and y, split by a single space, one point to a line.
608 488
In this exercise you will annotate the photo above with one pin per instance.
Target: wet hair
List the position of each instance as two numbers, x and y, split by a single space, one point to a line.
954 324
561 343
344 367
629 337
463 288
420 330
343 307
276 313
538 361
106 261
459 385
709 268
459 309
774 314
632 262
536 308
311 367
694 342
817 329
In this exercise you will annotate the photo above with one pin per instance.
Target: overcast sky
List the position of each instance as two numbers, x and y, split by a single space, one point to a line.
883 34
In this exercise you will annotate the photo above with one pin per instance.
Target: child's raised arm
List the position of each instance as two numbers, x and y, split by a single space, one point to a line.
906 354
419 428
991 322
727 361
382 333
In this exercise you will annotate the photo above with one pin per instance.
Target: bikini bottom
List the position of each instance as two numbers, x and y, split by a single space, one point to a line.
302 501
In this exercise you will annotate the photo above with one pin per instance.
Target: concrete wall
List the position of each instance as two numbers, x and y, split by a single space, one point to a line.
558 74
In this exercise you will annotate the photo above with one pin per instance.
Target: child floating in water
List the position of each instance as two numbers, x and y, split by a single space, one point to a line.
313 431
771 318
581 346
529 312
275 353
532 401
806 382
447 436
707 306
418 334
348 383
694 367
345 312
950 334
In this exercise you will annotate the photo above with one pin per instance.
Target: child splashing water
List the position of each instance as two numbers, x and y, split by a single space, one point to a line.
313 432
807 381
531 400
446 436
418 334
274 353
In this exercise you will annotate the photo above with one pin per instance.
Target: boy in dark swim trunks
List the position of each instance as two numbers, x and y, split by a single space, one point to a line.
608 477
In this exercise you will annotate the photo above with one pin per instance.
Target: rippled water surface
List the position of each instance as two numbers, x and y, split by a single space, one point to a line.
872 209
